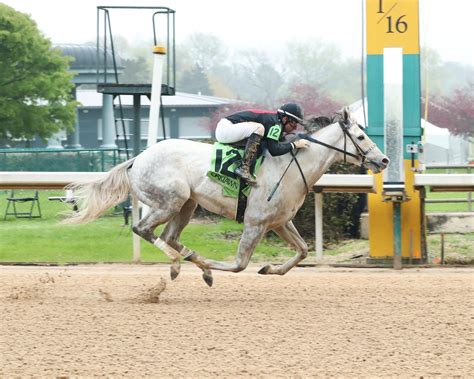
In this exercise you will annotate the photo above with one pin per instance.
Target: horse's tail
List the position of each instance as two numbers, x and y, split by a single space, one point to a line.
94 198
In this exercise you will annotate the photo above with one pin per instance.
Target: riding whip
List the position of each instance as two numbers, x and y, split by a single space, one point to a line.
279 181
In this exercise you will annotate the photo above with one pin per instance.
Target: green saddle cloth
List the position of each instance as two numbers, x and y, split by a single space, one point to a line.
225 159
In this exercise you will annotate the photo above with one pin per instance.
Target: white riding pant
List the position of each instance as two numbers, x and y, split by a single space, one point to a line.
227 132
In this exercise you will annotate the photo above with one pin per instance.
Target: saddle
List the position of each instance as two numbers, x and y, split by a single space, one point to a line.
224 160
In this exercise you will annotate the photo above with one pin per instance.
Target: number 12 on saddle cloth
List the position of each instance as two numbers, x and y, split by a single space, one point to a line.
225 159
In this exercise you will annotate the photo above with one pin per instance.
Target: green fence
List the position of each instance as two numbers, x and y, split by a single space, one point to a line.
58 159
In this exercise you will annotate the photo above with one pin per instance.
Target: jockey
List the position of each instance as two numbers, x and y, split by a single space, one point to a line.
256 125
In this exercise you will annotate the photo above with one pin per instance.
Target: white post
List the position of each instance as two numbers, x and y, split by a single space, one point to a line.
393 114
108 123
154 117
136 238
158 54
318 224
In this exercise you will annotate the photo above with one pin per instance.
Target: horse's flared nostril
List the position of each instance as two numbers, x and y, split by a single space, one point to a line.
386 161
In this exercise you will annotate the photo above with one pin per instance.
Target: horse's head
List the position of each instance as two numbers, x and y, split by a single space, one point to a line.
361 149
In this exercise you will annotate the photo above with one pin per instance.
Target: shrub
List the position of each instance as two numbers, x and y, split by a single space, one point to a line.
341 211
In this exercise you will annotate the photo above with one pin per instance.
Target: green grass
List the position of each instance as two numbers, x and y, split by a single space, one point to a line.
461 244
454 245
447 207
107 240
449 171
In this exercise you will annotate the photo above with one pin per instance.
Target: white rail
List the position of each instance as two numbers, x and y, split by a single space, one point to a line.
446 182
58 180
54 180
327 183
44 180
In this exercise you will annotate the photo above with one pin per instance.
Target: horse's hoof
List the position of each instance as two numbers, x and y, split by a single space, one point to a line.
174 272
264 270
208 278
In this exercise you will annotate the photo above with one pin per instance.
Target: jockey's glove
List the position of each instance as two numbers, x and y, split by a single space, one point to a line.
300 144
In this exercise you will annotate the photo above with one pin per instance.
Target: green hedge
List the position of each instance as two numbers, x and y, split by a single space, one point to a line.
341 211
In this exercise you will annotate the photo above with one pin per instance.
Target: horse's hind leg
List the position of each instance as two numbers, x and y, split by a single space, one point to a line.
289 233
249 240
157 215
171 234
172 231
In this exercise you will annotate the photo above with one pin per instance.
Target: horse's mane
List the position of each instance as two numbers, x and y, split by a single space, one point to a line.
315 123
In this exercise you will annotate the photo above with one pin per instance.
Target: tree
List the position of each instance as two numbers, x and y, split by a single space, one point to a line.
312 63
205 50
322 66
265 80
195 80
136 59
199 58
312 100
456 112
35 86
136 71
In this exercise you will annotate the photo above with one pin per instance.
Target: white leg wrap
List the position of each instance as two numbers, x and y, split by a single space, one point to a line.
170 252
165 248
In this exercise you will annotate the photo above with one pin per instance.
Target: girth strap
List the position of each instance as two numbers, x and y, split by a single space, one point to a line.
241 203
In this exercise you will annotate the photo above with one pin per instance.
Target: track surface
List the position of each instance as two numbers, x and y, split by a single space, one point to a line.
105 321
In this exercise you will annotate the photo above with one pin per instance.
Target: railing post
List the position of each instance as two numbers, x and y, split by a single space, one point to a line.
318 224
136 238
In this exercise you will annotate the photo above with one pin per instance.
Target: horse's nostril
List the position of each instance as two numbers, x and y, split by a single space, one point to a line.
386 161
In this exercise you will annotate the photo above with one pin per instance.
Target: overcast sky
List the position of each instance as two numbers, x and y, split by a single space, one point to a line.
268 24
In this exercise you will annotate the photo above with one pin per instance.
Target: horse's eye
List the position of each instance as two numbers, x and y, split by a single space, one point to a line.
360 138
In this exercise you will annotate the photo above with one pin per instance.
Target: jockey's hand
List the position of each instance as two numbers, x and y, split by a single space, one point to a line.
301 144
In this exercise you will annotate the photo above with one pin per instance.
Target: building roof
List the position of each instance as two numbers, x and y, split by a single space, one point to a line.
85 57
93 99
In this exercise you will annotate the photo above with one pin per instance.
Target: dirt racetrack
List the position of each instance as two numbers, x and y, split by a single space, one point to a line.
132 321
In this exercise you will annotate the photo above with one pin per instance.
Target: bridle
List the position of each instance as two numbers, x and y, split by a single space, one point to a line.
361 154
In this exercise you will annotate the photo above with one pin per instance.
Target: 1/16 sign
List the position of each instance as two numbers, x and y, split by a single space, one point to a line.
392 23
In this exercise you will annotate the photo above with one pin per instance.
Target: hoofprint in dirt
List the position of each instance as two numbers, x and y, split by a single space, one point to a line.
131 321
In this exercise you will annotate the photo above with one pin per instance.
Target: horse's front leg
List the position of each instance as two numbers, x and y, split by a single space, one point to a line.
251 236
289 233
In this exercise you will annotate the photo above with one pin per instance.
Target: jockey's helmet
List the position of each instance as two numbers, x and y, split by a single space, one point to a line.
292 110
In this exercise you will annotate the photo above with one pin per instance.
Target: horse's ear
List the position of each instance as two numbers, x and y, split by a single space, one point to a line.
345 113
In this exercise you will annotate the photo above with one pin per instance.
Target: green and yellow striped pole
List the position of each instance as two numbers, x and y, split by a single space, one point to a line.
393 98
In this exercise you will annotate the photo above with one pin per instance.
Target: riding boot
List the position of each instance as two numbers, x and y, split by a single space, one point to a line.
250 154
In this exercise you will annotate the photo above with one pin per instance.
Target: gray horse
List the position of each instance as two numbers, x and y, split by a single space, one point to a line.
170 178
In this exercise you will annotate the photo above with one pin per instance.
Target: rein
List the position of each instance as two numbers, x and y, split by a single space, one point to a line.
293 155
362 155
311 139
